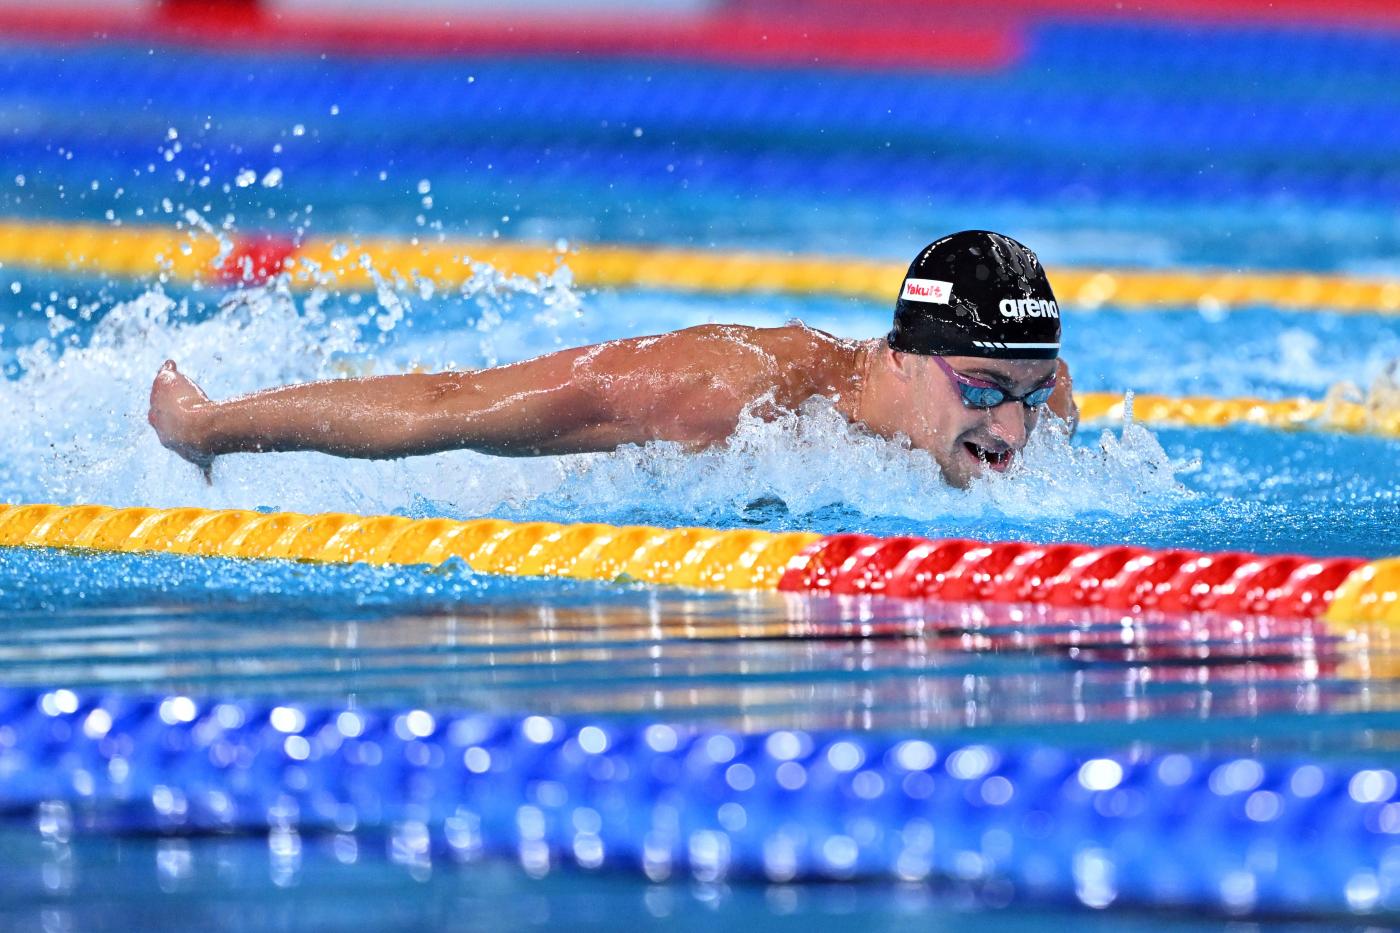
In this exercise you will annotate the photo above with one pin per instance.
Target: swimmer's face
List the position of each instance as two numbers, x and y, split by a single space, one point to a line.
966 441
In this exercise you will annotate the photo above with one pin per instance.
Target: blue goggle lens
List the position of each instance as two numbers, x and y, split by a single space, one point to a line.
980 397
988 397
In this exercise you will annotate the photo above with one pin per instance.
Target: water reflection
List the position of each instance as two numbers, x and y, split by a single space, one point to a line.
347 882
746 661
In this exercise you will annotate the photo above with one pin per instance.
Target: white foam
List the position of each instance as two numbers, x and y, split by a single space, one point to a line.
817 460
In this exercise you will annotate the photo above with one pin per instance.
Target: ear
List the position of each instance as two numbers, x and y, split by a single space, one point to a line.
902 364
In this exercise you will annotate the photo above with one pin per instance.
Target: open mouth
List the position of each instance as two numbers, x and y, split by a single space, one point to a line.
998 460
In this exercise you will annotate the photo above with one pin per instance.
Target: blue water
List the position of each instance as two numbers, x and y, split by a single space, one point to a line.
347 883
1147 146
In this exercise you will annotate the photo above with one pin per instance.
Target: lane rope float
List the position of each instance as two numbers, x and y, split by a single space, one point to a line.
709 803
699 557
1200 411
1343 590
193 256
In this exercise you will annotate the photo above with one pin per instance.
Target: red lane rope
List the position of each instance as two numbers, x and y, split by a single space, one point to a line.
1071 575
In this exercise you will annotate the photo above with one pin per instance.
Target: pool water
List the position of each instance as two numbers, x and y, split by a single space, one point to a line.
1127 163
340 883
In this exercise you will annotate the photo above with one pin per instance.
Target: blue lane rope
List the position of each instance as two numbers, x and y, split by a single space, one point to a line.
1119 110
316 170
1235 834
1116 129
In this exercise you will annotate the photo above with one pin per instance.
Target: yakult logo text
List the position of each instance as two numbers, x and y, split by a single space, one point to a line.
1028 307
931 291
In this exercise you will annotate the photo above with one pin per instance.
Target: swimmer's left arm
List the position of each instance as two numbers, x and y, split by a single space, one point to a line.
1062 399
688 387
522 410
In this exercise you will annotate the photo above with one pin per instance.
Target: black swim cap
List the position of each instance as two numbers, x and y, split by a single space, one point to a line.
977 294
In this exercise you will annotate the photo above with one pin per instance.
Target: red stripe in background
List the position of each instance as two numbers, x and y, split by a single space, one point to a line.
724 36
908 35
1259 12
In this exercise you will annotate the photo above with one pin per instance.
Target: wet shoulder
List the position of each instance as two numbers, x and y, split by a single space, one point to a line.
811 361
793 361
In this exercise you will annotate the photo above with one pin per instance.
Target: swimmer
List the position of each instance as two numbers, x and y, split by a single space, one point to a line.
966 372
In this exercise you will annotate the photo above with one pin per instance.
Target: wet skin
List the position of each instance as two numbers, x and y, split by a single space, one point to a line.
689 386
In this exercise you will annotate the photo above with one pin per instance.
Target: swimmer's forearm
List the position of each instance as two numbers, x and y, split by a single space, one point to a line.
389 416
350 418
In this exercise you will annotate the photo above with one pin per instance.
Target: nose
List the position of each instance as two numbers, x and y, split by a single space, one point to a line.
1011 423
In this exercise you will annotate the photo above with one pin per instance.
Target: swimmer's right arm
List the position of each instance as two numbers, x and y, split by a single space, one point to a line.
1062 399
557 404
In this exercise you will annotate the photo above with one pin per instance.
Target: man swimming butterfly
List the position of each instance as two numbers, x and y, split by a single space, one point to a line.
970 363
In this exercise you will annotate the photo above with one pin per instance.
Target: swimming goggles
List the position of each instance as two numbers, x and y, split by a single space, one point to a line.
979 393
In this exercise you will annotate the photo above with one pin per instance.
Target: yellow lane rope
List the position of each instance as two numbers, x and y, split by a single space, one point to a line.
192 255
1287 414
699 557
743 559
1371 593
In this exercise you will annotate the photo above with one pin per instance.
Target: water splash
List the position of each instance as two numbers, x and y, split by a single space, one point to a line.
813 460
75 417
1381 399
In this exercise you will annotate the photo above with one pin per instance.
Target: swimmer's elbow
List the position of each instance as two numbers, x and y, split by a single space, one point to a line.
516 418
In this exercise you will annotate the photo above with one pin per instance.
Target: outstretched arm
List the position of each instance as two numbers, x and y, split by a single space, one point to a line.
673 387
529 409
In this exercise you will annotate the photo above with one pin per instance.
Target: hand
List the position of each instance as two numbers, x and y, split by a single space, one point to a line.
177 410
1062 399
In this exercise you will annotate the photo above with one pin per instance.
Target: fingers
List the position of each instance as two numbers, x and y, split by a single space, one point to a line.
164 377
175 403
173 388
